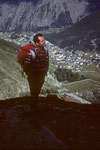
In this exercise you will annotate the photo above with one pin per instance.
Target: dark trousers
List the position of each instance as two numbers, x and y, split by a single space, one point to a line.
36 80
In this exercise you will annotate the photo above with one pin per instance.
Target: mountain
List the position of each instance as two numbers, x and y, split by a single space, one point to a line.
83 35
95 5
28 15
12 84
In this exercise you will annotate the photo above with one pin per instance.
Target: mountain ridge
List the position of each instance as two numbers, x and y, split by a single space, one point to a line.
80 35
33 16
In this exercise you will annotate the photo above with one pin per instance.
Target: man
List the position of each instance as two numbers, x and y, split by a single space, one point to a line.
39 67
36 66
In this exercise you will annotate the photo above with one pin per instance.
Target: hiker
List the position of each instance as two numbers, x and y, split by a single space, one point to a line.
35 65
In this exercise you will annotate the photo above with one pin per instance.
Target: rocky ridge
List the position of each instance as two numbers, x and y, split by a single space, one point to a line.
83 36
63 125
25 15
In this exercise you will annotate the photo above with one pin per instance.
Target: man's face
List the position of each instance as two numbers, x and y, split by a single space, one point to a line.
41 42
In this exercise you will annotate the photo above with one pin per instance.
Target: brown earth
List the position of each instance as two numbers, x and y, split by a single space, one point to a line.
64 125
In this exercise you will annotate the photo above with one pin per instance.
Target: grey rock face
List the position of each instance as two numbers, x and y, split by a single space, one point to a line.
28 16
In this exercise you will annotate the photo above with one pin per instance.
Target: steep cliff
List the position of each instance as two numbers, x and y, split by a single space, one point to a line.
31 15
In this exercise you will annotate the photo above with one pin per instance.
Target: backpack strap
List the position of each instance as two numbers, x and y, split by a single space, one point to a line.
33 52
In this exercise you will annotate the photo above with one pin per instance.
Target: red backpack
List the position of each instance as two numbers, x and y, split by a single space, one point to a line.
22 54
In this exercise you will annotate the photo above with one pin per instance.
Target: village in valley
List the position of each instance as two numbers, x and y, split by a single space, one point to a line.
63 58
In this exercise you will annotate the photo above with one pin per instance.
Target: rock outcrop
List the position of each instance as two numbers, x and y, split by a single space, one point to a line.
31 15
62 125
